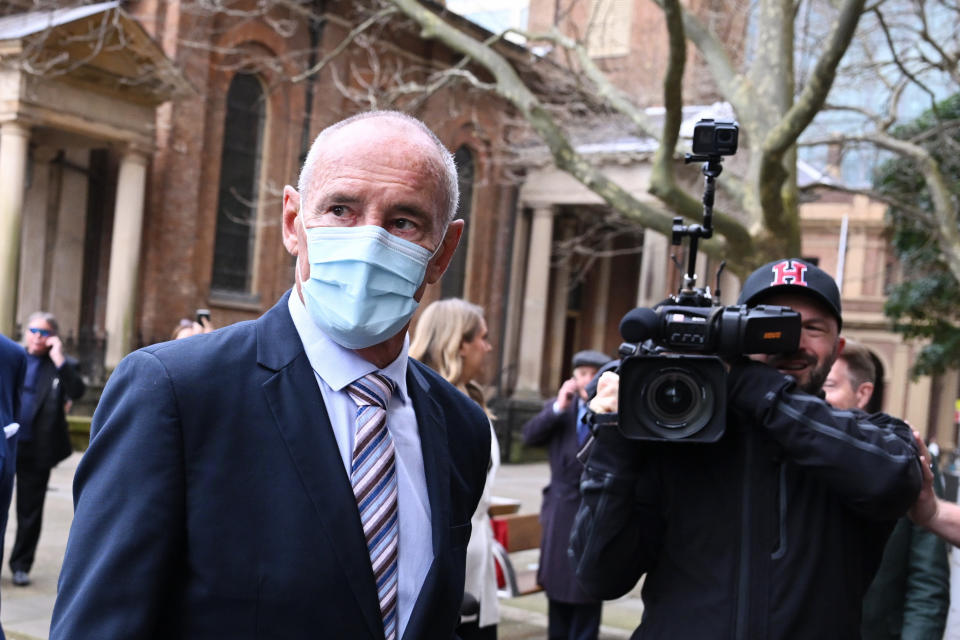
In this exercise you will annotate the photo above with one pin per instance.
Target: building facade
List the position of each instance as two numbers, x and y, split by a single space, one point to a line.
143 180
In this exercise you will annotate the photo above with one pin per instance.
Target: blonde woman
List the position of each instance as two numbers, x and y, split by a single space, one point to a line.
451 337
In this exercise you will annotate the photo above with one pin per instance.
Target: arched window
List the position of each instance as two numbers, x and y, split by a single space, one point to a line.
453 280
233 252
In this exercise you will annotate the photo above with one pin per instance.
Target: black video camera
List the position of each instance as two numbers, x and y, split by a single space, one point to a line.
672 374
673 385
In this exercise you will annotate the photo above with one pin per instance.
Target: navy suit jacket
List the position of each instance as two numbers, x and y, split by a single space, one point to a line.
13 367
561 499
213 502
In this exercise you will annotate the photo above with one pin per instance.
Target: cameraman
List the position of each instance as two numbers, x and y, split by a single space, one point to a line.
775 530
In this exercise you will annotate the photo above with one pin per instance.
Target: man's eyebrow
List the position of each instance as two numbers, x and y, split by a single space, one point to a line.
338 196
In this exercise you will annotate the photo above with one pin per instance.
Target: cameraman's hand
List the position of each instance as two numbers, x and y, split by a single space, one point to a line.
608 390
568 391
926 507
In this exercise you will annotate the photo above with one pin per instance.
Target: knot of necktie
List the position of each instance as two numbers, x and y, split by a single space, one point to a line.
372 389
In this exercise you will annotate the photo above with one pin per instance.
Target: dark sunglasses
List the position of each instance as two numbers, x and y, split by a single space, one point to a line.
43 332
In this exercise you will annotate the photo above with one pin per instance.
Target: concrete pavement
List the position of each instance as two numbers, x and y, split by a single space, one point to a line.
25 611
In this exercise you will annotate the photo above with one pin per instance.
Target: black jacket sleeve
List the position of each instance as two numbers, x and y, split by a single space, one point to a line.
618 529
870 462
927 598
73 386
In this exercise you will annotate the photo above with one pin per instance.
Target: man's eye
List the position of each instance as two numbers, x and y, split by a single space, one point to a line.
403 224
338 210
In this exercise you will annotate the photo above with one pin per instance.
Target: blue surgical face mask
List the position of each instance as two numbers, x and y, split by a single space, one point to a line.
362 282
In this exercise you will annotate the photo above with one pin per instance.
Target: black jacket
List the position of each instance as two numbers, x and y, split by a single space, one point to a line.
774 531
51 437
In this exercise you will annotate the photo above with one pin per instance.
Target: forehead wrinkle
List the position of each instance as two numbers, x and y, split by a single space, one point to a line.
377 135
338 176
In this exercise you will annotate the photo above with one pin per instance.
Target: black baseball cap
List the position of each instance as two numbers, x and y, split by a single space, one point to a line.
792 275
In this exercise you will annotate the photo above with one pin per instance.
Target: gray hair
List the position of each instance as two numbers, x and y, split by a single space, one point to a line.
47 317
449 168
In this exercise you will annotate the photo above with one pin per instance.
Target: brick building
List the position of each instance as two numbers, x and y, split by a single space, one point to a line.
143 181
151 159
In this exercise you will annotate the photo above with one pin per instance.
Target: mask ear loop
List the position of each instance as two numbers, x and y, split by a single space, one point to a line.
443 238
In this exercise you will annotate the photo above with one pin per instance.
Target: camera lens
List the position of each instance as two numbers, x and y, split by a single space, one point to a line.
724 136
676 402
672 397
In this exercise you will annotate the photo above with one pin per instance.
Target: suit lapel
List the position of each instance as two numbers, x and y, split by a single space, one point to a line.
301 417
433 444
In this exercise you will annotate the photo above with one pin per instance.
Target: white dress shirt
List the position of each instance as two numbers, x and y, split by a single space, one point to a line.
334 368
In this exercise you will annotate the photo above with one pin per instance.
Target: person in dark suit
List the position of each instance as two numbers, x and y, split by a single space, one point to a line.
13 368
52 380
571 612
295 476
910 595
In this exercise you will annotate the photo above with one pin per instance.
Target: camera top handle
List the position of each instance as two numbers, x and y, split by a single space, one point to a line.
711 169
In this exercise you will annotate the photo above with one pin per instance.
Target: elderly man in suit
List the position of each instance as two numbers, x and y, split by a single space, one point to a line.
571 612
52 380
296 476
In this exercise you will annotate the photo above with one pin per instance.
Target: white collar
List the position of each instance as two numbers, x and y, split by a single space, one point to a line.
337 365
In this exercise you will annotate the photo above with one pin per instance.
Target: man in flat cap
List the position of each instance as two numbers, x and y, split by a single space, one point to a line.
560 426
776 529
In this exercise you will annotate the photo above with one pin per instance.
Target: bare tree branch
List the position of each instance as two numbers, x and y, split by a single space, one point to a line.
343 44
815 92
510 86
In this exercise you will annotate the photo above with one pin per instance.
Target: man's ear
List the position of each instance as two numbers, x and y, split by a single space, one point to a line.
291 209
863 394
441 261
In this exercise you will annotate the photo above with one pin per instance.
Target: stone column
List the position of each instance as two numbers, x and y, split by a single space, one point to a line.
601 304
34 233
66 281
14 143
653 284
125 256
514 305
558 298
534 323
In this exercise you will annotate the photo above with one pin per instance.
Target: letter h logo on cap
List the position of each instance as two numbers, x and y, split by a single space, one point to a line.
789 272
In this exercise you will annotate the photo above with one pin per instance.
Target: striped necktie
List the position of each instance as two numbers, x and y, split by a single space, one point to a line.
374 482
